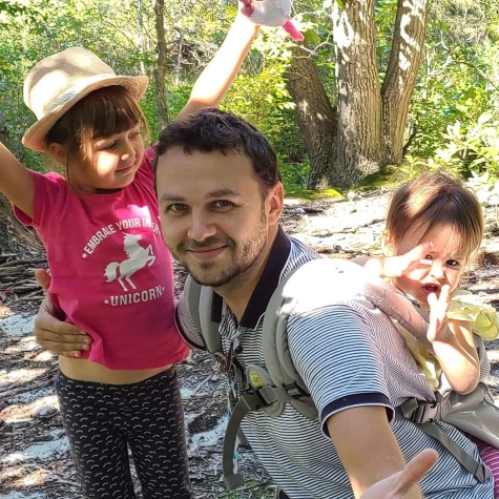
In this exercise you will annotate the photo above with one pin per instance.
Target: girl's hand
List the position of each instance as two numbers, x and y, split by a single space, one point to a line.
271 13
438 329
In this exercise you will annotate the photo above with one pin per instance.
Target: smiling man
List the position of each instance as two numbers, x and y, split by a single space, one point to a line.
221 197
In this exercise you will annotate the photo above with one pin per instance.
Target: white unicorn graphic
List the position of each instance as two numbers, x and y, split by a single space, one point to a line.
137 259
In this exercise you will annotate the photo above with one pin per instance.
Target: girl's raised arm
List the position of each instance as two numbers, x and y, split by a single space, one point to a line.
214 82
16 181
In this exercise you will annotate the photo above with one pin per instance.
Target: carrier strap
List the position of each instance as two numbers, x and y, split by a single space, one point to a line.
250 400
422 414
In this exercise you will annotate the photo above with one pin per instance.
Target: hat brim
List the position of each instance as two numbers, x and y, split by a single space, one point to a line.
34 138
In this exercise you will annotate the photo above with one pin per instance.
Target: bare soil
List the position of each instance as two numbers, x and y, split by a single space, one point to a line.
34 457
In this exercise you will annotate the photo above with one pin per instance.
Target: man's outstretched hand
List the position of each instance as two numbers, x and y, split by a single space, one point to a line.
399 484
52 334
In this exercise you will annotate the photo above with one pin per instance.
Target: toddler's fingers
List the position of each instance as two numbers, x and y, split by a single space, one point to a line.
432 302
422 250
444 297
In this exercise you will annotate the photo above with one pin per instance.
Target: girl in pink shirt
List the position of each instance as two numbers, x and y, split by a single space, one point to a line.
112 274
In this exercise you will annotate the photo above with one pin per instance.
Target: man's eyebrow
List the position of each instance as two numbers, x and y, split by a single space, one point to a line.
221 193
214 194
171 197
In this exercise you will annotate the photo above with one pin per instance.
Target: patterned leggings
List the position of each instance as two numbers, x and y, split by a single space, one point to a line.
102 421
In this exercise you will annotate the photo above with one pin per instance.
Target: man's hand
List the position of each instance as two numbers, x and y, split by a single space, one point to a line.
367 447
53 335
399 484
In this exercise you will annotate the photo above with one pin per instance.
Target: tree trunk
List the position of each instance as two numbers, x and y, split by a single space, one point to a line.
315 116
140 35
359 150
404 64
160 71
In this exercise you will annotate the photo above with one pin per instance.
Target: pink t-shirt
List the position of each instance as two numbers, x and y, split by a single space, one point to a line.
111 272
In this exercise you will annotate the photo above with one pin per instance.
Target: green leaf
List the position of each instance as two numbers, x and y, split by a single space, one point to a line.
311 37
484 118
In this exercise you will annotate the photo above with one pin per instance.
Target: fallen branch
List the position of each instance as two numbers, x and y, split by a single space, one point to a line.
201 384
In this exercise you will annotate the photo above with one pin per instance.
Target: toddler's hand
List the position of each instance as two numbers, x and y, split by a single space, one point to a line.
438 329
396 266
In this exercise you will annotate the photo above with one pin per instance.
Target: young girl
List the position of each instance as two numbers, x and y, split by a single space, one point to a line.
433 227
111 272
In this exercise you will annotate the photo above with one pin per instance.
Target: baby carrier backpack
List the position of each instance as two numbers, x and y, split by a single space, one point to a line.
270 389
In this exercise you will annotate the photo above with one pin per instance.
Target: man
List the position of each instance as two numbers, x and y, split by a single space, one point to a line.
221 197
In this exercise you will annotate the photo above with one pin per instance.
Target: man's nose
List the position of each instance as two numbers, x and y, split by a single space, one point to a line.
201 227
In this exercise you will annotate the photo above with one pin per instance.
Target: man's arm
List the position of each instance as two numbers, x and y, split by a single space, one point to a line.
214 82
367 447
52 334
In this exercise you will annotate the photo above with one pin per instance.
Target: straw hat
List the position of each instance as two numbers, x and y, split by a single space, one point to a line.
58 82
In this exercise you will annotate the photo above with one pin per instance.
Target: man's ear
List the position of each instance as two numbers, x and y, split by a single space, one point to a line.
274 203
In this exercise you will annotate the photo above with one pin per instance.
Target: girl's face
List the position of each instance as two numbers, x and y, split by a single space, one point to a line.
112 162
447 263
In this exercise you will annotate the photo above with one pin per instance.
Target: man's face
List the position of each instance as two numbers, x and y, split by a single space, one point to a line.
214 217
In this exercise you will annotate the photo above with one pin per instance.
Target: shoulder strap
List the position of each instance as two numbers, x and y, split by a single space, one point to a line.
346 275
276 349
200 303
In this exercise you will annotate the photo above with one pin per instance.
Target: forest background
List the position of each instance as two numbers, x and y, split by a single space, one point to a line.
400 86
394 87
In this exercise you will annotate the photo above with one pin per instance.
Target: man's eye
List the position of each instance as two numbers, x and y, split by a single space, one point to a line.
176 207
223 204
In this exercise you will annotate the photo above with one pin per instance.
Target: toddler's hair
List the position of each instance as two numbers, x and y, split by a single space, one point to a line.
436 201
102 113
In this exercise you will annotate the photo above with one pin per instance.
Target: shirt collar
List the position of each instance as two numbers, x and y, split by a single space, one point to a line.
268 282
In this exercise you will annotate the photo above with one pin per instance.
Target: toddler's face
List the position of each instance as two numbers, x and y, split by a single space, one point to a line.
447 263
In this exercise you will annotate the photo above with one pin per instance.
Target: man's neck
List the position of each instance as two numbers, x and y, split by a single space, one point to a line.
238 291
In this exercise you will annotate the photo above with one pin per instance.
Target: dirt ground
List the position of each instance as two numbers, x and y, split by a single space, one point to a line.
34 457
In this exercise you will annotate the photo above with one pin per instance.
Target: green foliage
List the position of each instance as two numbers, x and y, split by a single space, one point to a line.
379 180
471 149
455 109
485 187
309 195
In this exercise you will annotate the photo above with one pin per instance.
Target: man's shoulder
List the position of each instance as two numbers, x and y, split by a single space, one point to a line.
299 255
320 282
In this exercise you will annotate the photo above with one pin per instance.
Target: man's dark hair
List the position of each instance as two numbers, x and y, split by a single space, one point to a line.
211 130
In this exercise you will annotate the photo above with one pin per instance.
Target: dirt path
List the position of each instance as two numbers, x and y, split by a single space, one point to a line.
34 459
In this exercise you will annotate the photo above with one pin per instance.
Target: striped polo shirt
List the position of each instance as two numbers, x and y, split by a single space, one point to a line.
349 354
